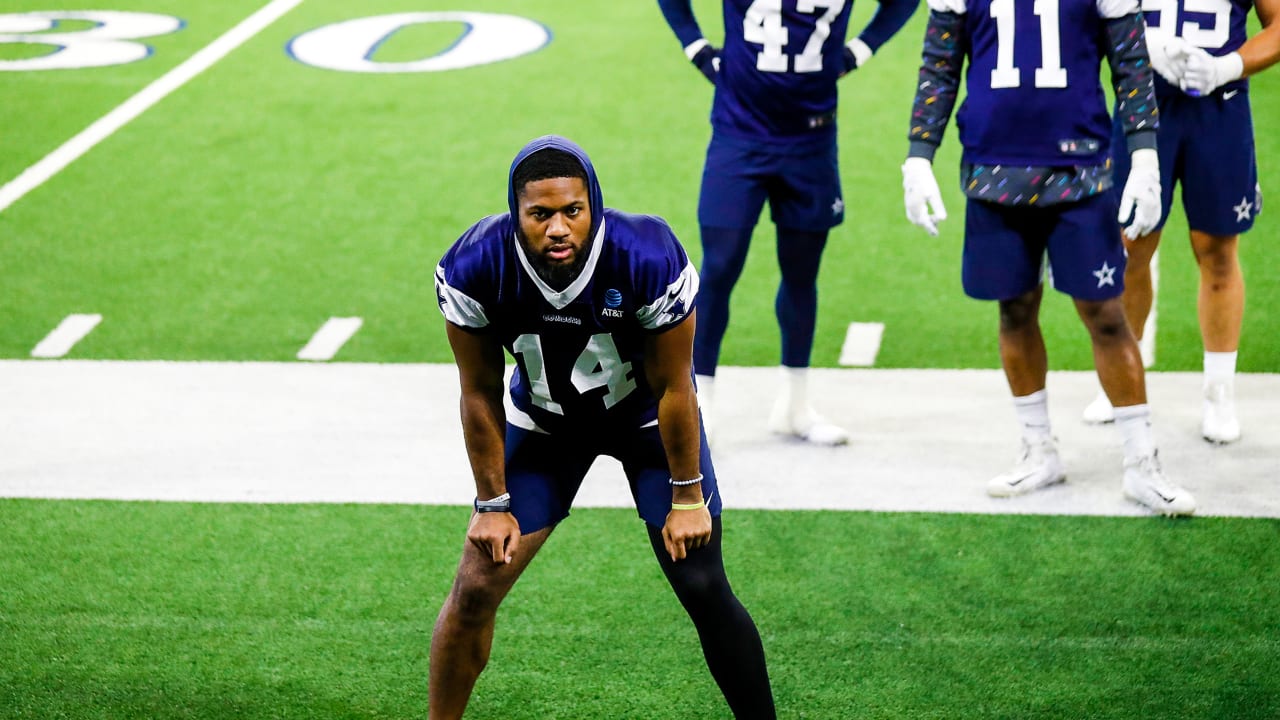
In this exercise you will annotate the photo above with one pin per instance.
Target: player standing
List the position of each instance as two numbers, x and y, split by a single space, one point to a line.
773 138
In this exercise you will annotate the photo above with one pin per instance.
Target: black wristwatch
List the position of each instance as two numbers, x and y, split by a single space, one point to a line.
502 503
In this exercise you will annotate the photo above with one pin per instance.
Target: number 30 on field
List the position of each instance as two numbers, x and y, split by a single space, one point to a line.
99 38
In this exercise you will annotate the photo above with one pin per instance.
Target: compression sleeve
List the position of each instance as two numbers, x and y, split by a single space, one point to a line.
679 15
887 21
939 82
1131 73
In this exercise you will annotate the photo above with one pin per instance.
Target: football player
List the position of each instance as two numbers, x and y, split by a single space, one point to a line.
596 308
1201 57
773 138
1037 172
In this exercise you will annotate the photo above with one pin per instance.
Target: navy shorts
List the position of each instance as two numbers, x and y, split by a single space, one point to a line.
1206 144
544 472
1005 248
801 183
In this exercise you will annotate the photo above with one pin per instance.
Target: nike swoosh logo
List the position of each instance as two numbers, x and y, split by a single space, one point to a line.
1162 497
1229 95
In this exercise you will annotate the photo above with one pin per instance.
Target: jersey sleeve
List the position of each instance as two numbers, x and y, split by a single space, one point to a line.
665 278
464 278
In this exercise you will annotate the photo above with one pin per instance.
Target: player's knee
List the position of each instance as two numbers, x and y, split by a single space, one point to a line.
1019 314
474 603
1105 319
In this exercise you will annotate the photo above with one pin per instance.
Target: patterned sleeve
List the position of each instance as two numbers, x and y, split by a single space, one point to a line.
939 79
667 280
1131 73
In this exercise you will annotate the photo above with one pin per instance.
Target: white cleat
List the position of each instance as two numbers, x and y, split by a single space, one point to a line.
1220 425
1099 412
805 424
1145 483
1038 466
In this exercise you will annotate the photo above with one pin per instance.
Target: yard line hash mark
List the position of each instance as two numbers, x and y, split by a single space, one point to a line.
34 176
70 331
330 338
861 344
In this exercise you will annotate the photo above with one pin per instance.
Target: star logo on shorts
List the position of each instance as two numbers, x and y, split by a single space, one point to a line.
837 207
1106 275
1244 211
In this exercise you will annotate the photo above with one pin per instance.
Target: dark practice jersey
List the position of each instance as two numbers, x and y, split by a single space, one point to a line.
1218 26
579 352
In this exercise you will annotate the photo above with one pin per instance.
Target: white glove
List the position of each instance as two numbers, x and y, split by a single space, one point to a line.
1168 54
1205 73
1141 196
920 194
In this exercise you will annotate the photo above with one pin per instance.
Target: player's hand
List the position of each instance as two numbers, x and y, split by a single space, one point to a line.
686 530
1204 73
706 57
921 196
1168 55
1141 196
496 534
856 54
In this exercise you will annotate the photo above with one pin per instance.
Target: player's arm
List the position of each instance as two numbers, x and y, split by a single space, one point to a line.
668 363
942 61
888 19
1263 49
1135 93
481 366
704 55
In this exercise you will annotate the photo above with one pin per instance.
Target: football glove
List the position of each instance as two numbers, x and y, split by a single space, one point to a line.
1141 196
705 57
921 196
1203 73
856 54
1168 55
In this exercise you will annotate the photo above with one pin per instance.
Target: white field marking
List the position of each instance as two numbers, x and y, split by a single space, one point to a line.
1148 343
861 344
104 127
330 338
70 331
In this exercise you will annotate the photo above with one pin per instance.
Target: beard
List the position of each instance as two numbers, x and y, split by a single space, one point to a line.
558 275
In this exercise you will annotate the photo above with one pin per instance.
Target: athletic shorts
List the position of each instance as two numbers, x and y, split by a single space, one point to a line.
1206 144
801 183
1005 248
544 472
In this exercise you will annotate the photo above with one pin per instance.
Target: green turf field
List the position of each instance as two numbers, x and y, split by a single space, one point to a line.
136 610
266 195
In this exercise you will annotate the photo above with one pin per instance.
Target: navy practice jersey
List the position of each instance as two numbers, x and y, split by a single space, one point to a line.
1218 26
1034 95
579 352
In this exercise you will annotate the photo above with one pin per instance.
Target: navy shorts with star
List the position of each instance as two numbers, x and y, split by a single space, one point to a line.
1005 248
1206 145
544 472
801 183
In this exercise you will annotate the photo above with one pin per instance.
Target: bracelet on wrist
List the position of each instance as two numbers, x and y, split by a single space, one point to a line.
502 503
688 506
686 483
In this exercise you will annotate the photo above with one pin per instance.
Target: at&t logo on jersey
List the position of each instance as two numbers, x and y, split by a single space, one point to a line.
612 301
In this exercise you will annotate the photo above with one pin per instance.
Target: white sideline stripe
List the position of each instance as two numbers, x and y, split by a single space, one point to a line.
861 344
70 331
330 338
34 176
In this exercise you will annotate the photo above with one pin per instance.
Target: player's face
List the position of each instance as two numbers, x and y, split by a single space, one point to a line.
555 227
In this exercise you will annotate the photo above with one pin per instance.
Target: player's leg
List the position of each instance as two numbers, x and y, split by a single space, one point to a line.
728 636
729 204
1221 311
805 201
1088 260
1004 260
543 474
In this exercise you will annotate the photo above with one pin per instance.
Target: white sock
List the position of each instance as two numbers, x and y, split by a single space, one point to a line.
1033 415
1134 424
1219 368
706 391
795 382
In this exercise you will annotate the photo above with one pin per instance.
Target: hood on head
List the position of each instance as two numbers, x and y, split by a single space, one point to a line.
594 196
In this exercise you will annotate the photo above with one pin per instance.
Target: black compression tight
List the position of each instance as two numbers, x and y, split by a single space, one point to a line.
730 642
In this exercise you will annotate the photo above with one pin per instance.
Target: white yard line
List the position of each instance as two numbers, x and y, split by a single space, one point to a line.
922 440
330 338
861 344
70 331
34 176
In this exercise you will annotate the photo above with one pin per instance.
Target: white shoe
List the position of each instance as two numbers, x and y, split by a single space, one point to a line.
805 424
1220 425
1099 412
1038 466
1145 483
